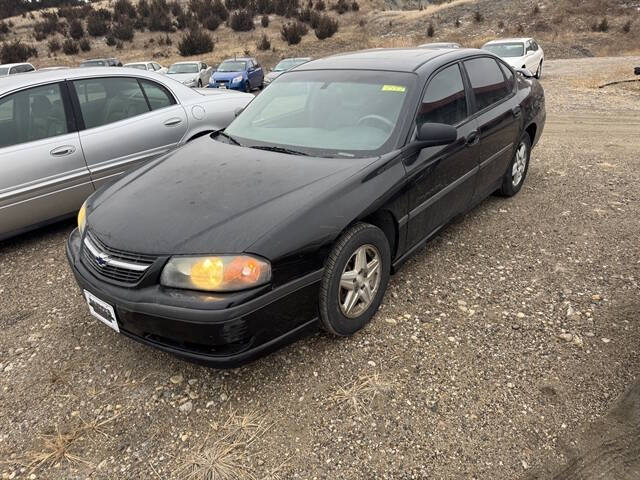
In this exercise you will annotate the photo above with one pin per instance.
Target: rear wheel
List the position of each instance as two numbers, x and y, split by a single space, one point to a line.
539 72
199 83
518 168
247 86
355 279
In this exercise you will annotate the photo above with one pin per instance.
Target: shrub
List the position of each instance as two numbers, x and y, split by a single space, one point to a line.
305 15
362 22
241 21
143 9
536 9
500 24
194 43
626 28
219 10
85 46
54 45
602 26
264 21
520 28
263 43
186 20
340 6
159 21
124 8
315 19
458 23
97 25
4 28
75 29
285 8
123 30
166 40
264 6
50 24
212 23
175 8
111 40
293 32
355 6
70 12
327 26
16 51
70 47
119 45
431 30
320 6
477 16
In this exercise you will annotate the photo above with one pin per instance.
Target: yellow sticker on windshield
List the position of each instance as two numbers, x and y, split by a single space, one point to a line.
393 88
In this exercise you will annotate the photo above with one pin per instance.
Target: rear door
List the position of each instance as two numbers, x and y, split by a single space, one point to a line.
43 174
442 179
126 122
498 115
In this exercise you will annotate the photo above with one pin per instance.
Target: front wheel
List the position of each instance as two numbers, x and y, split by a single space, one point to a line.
518 168
355 279
247 86
539 72
199 83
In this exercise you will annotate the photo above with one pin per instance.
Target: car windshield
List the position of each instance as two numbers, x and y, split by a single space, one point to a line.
506 50
139 66
183 68
232 66
329 113
94 63
287 64
4 71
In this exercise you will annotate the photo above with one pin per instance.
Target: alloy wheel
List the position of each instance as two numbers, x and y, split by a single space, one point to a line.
519 164
359 281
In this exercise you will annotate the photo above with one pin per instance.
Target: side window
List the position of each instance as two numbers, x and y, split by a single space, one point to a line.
445 100
108 100
28 68
487 81
157 95
14 70
33 114
508 74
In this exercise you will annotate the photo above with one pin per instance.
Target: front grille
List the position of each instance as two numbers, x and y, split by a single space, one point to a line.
117 265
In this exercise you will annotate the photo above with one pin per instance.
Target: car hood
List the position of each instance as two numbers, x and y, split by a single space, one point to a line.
226 75
183 77
271 76
515 62
210 197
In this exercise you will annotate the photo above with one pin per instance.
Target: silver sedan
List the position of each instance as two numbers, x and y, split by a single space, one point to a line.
65 133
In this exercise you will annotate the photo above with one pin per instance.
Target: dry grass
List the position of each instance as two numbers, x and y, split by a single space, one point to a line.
360 394
227 457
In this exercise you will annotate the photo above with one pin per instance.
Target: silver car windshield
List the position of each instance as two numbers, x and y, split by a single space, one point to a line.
506 50
139 66
347 113
183 68
287 64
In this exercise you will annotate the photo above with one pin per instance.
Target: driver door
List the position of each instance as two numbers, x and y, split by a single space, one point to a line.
442 179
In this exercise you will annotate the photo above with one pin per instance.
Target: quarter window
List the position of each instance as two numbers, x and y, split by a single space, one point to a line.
34 114
445 100
157 95
508 74
487 81
108 100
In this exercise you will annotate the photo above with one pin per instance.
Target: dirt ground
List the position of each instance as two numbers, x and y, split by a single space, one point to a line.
501 350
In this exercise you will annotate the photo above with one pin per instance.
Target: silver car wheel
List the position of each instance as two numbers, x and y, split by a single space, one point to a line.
359 281
519 164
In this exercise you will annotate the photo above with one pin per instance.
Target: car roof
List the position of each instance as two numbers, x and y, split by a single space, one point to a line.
239 59
508 40
138 63
13 82
9 65
184 63
391 59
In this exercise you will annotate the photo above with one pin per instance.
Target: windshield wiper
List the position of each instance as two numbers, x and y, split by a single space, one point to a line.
226 135
288 151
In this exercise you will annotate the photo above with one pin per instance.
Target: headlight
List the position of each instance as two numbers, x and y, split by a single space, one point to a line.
237 79
221 273
82 217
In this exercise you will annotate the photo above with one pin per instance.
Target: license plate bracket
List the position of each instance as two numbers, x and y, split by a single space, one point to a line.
101 310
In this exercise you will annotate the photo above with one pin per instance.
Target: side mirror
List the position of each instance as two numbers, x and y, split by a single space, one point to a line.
526 73
238 111
436 134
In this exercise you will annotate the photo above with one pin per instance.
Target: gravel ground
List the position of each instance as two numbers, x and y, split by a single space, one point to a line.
497 346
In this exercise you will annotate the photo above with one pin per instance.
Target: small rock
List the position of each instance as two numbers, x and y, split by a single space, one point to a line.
186 407
567 337
176 379
209 404
596 298
391 321
570 311
462 303
606 340
371 363
525 465
515 326
193 395
510 385
589 334
223 397
520 315
451 339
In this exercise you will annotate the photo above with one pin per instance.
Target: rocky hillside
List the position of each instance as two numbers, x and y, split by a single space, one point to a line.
565 28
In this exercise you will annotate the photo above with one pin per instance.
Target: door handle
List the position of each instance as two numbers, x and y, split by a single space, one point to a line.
63 151
517 111
172 122
473 138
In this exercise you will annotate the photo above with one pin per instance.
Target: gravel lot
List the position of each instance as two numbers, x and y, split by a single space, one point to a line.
497 350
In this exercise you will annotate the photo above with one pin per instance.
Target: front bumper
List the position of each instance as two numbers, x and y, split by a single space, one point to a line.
228 86
220 330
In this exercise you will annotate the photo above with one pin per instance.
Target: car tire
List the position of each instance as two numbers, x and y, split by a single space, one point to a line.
247 86
515 175
539 71
199 83
358 247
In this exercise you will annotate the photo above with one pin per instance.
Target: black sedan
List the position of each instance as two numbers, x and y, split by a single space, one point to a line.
295 215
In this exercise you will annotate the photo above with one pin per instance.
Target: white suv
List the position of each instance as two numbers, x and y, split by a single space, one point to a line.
519 53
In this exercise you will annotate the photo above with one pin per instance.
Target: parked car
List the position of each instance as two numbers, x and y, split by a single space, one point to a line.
149 66
13 68
65 133
439 45
295 215
238 74
101 62
519 53
191 74
283 66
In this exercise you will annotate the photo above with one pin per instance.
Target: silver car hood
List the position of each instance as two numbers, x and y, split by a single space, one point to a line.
183 77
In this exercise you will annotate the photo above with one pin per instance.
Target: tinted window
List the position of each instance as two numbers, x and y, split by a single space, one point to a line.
28 68
33 114
445 100
157 95
487 81
108 100
508 75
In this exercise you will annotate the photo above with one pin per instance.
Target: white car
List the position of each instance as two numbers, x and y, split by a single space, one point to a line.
191 74
148 66
13 68
519 53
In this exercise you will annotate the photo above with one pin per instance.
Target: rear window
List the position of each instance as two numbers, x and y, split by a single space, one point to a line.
487 81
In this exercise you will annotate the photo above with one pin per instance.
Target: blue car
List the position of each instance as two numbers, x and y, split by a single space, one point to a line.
238 74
